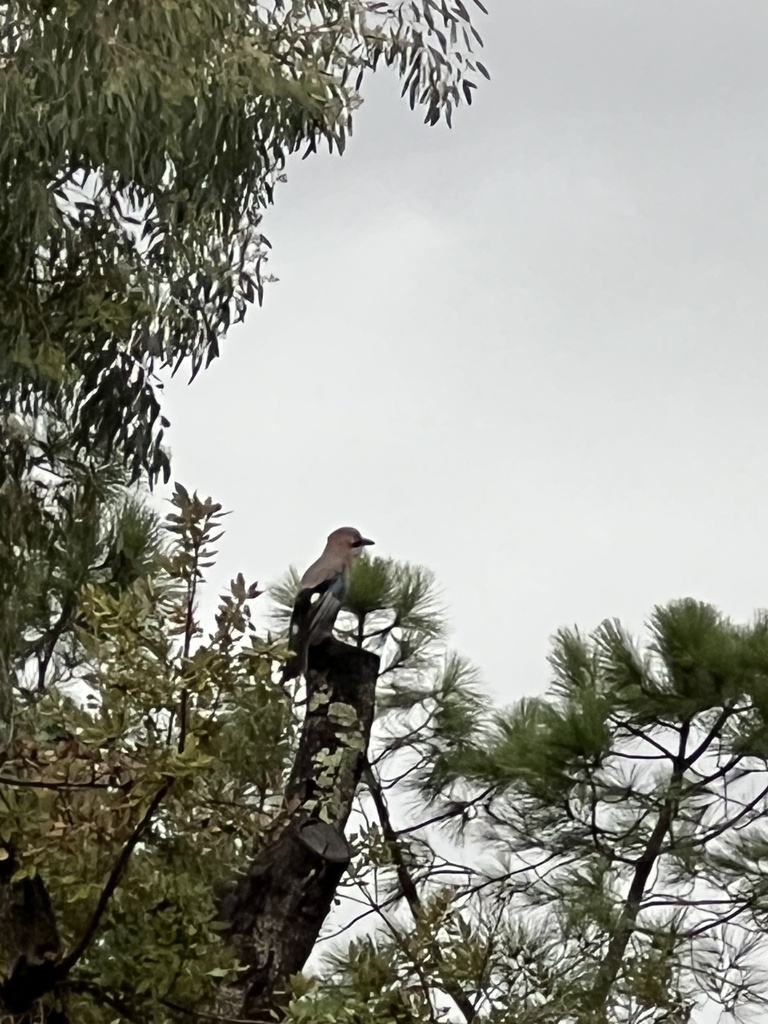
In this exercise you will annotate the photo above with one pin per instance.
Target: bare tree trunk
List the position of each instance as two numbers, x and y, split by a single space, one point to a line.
30 940
276 911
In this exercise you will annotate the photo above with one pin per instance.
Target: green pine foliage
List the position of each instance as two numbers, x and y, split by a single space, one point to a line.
606 845
592 855
595 854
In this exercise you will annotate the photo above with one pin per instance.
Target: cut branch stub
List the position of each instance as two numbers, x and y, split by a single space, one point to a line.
276 911
324 841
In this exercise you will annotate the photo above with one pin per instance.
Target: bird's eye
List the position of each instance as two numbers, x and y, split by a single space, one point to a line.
314 599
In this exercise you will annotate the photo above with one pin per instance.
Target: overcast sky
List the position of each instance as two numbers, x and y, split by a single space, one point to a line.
530 352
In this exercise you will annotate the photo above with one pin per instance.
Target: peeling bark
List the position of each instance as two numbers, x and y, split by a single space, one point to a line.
276 911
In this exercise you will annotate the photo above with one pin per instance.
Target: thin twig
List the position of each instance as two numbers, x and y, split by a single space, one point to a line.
202 1015
189 625
114 879
713 733
409 890
54 636
39 784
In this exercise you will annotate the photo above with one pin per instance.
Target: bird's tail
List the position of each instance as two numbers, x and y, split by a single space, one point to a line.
293 668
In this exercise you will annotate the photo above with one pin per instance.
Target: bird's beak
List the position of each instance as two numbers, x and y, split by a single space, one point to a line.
363 540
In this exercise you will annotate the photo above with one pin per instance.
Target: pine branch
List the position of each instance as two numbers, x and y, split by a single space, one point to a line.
731 822
409 890
614 957
713 734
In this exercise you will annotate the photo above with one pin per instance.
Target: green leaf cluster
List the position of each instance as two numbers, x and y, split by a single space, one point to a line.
142 777
140 146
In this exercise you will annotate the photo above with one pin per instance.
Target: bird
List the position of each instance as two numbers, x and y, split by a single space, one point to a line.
321 593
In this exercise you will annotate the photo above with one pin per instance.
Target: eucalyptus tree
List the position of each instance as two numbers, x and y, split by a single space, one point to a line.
140 145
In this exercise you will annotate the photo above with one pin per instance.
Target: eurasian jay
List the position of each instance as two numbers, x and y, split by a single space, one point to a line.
320 596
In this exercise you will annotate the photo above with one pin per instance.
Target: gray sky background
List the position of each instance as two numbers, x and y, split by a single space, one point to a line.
529 353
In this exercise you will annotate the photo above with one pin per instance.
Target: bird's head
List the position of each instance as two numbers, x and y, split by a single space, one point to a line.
348 540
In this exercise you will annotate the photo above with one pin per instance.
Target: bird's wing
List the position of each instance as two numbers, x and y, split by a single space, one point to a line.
322 572
315 611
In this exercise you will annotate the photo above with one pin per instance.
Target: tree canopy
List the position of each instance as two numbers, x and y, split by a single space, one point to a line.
141 143
596 853
168 809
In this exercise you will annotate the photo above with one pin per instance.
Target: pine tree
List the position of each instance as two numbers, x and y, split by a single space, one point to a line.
596 854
